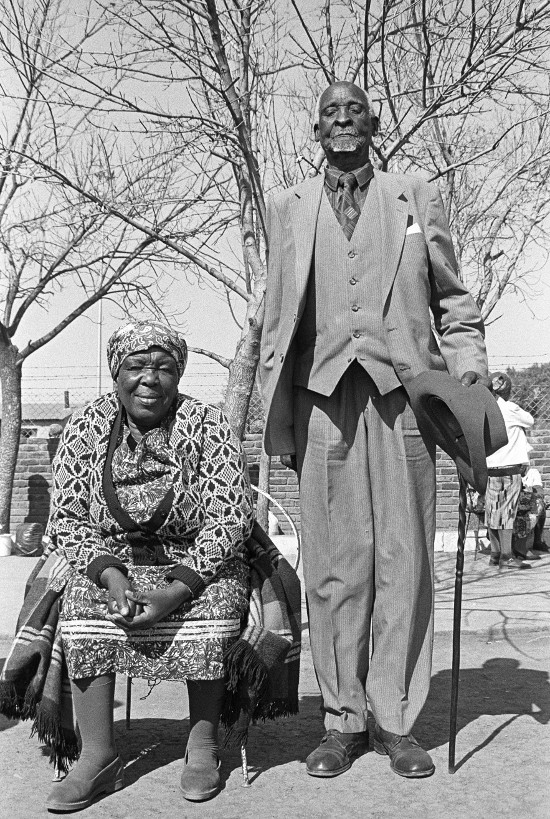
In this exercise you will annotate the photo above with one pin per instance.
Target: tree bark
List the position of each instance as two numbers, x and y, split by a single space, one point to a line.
242 371
10 380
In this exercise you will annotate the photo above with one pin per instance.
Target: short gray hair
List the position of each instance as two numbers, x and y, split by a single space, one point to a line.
370 108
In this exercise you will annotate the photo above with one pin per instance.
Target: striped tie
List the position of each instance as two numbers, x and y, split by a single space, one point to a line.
347 209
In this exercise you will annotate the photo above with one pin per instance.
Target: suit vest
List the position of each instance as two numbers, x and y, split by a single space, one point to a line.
342 318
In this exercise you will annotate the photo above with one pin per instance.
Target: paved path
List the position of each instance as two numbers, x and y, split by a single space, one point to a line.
503 746
494 602
502 750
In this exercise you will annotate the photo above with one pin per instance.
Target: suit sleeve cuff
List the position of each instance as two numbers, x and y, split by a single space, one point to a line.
99 564
188 576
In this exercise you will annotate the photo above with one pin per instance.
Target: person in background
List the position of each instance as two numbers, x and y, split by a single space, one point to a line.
505 468
539 545
530 518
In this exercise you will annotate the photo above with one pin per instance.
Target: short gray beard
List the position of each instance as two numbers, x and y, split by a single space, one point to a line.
345 143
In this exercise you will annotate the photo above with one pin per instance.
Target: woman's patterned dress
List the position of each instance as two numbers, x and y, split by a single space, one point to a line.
201 540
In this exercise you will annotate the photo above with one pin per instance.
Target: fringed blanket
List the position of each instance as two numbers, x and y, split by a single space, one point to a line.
262 666
34 683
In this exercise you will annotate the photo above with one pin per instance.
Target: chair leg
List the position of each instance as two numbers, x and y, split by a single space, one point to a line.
128 701
244 766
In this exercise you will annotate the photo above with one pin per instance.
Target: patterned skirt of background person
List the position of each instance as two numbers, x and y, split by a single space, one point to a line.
501 501
188 644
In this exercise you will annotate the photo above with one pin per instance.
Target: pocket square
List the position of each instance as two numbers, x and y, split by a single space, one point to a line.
413 229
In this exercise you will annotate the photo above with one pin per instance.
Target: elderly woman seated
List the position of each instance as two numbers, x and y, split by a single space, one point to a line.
151 509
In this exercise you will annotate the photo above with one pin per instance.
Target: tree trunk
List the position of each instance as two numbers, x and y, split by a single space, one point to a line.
10 380
242 371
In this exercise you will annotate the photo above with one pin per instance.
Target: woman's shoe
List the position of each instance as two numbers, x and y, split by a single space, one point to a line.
200 780
74 793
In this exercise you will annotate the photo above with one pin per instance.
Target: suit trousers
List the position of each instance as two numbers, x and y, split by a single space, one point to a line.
367 499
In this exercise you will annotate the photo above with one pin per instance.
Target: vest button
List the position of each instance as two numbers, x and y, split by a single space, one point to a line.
352 254
355 308
353 280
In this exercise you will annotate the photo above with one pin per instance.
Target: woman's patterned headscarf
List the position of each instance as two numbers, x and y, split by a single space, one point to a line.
138 336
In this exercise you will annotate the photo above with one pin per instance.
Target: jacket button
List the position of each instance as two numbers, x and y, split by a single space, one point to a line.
355 308
356 334
352 254
353 280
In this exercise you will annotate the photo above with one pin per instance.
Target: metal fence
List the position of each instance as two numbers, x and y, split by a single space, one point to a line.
49 397
531 390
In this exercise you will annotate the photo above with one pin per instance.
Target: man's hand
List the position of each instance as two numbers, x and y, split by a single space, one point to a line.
117 584
152 606
471 377
289 461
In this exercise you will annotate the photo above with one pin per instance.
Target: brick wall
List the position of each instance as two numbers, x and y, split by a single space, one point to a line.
284 486
32 484
31 494
283 482
447 481
447 492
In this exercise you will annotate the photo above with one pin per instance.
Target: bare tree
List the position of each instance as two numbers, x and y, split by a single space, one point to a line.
220 62
214 97
55 242
462 91
201 78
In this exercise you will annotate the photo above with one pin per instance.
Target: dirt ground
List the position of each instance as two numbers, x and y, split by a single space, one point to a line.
503 752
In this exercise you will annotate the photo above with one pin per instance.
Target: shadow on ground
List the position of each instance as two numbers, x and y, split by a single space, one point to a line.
499 687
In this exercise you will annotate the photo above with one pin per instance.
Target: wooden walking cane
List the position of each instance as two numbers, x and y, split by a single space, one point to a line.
455 668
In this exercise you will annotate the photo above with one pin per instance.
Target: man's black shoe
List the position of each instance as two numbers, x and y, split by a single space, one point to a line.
336 752
407 758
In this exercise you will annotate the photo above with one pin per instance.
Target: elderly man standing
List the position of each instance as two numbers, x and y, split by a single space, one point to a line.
361 263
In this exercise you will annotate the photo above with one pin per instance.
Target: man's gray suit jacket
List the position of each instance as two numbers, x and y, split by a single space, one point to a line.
422 291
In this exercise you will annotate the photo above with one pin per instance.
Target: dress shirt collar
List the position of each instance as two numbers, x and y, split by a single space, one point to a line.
363 176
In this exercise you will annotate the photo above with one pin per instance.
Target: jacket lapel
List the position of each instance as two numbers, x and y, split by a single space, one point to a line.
393 209
304 209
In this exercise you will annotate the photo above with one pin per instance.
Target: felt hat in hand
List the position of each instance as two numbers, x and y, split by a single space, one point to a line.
465 422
